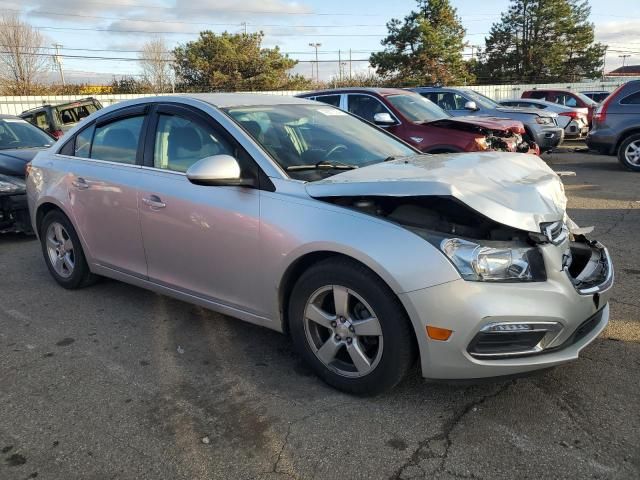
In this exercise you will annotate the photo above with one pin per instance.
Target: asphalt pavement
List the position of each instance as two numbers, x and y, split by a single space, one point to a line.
115 382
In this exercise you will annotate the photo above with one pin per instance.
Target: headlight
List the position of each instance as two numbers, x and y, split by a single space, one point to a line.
482 143
494 264
544 120
6 187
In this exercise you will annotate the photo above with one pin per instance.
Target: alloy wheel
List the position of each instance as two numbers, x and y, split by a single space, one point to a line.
343 331
60 250
632 153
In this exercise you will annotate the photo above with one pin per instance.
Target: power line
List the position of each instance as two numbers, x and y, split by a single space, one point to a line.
197 33
253 12
181 22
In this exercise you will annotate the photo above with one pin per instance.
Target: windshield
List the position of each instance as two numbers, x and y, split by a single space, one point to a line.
308 136
17 133
481 99
417 109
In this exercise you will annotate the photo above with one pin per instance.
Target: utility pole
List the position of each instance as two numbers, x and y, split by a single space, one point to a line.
624 59
244 24
58 61
339 65
604 62
316 46
349 64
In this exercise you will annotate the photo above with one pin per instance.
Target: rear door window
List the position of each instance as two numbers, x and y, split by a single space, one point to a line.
67 116
118 141
538 95
330 99
83 142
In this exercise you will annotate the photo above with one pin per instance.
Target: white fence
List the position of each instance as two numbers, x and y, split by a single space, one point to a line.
16 105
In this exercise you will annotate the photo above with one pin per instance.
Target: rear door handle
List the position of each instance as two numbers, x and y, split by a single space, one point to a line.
80 183
154 202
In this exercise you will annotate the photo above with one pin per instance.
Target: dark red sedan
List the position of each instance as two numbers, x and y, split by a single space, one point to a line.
423 124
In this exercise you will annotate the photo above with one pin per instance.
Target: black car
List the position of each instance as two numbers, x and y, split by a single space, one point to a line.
19 143
616 126
57 119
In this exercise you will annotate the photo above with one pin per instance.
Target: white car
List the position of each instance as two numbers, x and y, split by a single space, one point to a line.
574 120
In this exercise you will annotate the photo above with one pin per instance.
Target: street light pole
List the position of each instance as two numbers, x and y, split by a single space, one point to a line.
316 46
624 59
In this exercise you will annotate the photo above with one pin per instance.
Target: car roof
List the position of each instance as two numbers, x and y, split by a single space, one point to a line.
5 115
227 100
384 91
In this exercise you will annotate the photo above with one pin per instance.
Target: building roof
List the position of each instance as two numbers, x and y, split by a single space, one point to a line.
630 70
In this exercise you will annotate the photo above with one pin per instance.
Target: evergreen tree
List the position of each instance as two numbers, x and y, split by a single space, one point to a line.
424 48
542 41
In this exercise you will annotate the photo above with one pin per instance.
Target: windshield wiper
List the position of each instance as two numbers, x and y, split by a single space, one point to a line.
321 166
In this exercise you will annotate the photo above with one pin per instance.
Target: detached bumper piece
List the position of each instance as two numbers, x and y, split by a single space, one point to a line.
590 268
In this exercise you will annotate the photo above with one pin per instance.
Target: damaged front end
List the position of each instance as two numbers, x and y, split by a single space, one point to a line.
508 139
484 250
14 212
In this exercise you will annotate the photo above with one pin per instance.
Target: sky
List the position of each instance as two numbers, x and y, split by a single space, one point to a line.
119 28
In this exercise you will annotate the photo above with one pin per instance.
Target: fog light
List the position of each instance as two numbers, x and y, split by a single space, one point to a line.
437 333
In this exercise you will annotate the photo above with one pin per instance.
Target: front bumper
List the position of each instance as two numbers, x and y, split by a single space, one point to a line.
467 307
548 138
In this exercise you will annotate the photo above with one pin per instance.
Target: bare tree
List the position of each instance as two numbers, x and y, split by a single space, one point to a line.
157 65
22 56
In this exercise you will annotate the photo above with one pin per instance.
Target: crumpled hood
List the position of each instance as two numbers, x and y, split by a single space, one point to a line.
514 189
490 123
12 162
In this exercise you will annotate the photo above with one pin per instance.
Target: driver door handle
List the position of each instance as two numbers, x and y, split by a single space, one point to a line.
154 202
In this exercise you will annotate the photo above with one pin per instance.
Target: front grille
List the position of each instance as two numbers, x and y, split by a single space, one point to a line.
504 343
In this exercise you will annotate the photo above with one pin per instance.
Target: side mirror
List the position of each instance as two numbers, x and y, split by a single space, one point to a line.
218 170
383 119
471 105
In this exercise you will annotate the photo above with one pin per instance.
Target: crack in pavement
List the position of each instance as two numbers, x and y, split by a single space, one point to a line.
621 219
445 435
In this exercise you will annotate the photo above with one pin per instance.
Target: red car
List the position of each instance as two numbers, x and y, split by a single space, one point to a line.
564 97
423 124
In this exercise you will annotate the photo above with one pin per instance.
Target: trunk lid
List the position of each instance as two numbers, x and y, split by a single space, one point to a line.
514 189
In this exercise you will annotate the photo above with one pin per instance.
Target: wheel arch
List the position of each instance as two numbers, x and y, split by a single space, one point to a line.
303 263
623 136
45 207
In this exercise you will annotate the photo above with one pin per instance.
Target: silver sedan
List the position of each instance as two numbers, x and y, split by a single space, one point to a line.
299 217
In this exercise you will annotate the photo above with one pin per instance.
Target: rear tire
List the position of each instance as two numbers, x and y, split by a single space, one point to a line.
366 346
629 152
63 252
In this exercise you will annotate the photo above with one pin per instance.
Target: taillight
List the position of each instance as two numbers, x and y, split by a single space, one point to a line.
570 114
57 134
601 112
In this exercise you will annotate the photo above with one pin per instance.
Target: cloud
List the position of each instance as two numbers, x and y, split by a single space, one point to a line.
622 38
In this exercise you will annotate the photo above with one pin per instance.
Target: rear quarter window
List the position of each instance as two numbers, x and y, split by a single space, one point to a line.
633 99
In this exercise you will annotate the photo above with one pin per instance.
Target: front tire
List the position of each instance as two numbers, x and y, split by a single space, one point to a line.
629 152
350 328
63 252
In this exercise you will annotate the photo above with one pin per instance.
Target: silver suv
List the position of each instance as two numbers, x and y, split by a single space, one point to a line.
299 217
540 126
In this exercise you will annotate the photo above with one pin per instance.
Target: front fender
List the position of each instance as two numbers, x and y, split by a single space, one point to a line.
291 229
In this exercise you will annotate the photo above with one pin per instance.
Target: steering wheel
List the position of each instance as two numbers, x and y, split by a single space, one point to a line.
337 149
